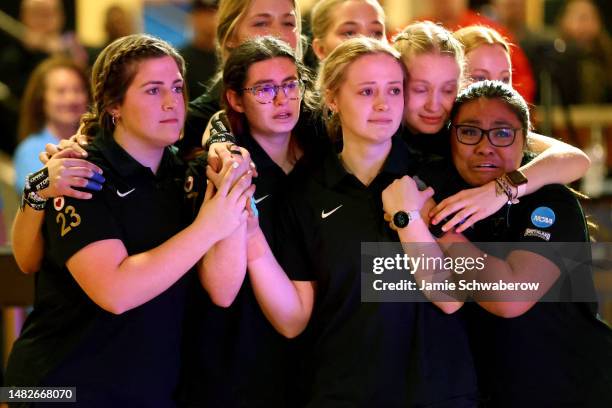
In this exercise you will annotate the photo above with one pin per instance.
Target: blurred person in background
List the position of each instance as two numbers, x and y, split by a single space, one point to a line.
200 54
43 36
44 23
455 14
335 21
55 98
581 29
118 22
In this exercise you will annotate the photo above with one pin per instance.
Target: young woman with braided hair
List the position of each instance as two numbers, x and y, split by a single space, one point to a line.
110 293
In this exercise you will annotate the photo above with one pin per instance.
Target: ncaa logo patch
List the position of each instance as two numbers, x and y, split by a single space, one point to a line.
543 217
58 203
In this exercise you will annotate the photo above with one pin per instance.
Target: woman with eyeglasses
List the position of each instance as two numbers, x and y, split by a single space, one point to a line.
359 354
540 348
233 356
435 60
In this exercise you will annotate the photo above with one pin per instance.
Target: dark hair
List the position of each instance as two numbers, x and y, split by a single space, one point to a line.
114 71
32 116
494 90
237 67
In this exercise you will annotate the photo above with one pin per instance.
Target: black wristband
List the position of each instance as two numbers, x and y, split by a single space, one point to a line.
34 183
38 180
219 131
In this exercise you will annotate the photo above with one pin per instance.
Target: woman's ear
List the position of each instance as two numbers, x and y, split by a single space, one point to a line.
319 49
330 101
235 100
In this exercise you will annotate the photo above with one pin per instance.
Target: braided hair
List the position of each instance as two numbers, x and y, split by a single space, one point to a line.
114 71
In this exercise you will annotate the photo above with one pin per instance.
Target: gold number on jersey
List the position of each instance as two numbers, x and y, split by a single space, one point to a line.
73 220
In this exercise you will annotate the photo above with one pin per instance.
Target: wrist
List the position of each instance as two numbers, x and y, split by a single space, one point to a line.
35 183
257 246
402 219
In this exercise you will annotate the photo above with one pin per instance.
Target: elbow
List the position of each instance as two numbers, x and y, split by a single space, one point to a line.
115 309
28 268
508 310
222 297
449 307
291 331
222 300
114 305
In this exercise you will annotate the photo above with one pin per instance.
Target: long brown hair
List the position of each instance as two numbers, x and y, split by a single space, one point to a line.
32 116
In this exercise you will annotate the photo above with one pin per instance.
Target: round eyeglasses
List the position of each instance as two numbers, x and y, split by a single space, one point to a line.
498 137
266 93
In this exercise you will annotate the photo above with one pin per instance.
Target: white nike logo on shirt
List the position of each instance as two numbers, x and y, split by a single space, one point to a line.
259 200
327 214
124 194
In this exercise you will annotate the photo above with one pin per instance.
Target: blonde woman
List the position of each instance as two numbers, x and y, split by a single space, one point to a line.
362 354
335 21
435 62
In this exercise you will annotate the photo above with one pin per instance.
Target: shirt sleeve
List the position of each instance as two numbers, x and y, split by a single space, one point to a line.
72 224
553 225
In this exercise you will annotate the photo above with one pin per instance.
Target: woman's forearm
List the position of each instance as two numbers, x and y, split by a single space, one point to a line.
556 163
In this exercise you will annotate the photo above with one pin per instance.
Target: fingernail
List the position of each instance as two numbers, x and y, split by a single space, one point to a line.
252 165
235 165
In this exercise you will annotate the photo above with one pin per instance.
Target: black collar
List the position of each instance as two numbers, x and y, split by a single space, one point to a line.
125 165
398 163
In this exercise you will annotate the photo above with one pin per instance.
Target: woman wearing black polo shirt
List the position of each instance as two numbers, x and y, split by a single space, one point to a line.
528 353
362 354
434 60
233 356
109 297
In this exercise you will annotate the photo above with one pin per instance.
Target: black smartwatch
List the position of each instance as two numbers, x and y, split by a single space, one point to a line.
401 219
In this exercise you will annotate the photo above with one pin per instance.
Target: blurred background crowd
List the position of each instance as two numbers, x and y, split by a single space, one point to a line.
47 47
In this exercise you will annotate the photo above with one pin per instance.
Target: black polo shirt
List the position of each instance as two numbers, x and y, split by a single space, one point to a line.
233 357
428 146
556 354
365 354
130 359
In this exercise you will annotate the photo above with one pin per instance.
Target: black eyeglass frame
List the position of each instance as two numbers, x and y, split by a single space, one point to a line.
486 132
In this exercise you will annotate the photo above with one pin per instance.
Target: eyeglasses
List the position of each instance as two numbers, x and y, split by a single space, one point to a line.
472 135
267 92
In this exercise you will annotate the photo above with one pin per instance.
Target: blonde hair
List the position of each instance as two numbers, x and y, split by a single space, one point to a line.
474 36
333 70
231 13
322 13
426 37
114 71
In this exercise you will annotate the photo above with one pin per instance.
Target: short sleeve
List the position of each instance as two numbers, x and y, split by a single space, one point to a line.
553 215
72 224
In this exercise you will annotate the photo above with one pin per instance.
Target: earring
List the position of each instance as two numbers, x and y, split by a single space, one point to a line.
113 119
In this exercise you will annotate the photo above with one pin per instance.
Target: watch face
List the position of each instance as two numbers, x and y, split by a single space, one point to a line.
401 219
516 177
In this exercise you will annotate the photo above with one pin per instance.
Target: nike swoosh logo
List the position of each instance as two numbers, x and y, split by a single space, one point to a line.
259 200
124 194
327 214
